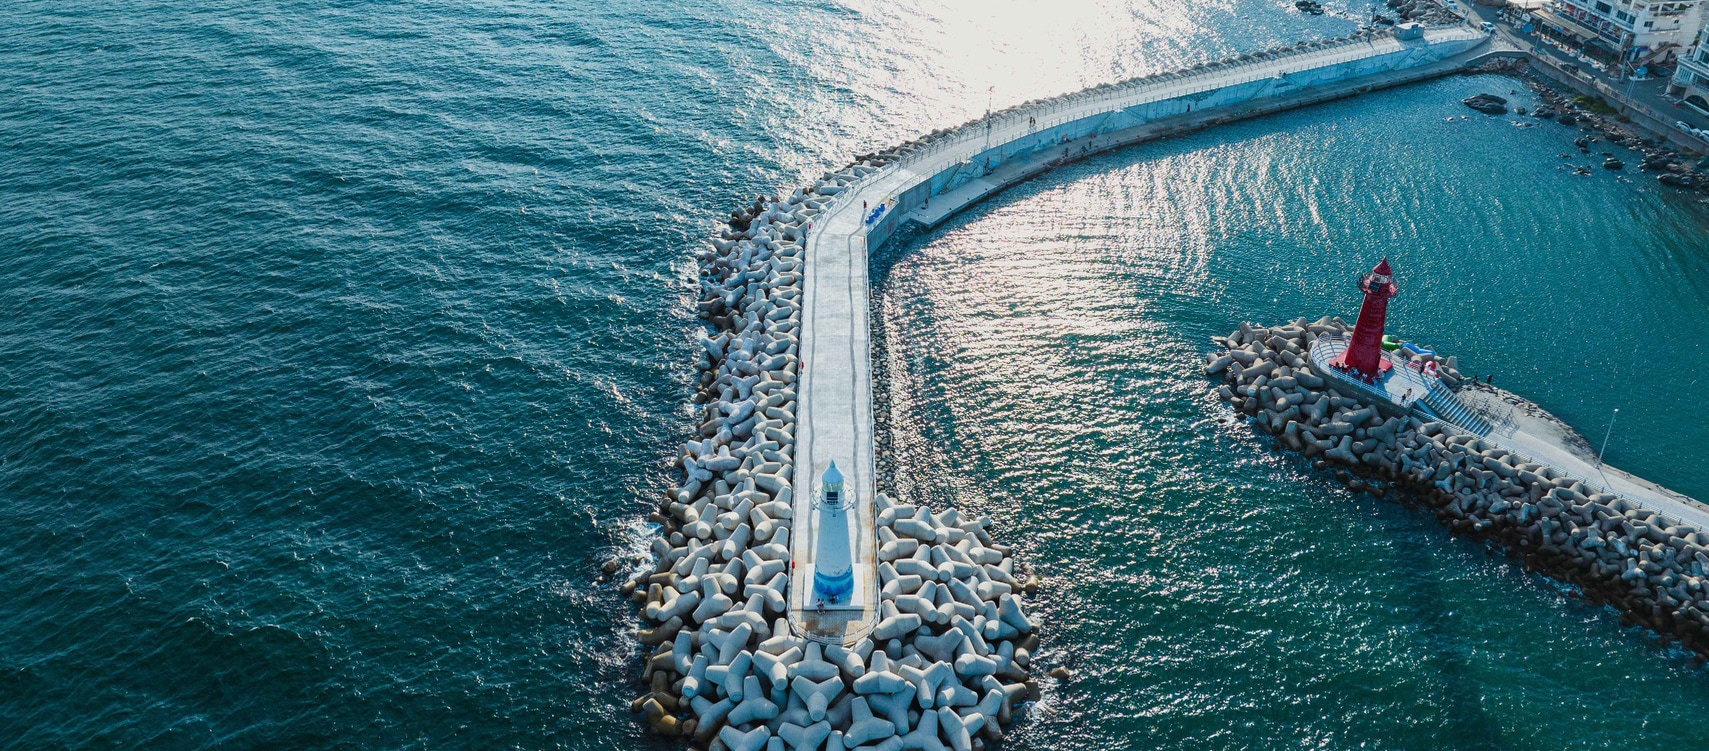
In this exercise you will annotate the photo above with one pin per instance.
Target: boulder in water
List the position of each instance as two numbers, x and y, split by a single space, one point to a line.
1488 104
1657 163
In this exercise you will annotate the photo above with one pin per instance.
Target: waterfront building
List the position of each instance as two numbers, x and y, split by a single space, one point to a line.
1691 81
1632 32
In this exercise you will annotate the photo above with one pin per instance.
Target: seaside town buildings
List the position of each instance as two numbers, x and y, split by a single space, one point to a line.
1691 80
1636 32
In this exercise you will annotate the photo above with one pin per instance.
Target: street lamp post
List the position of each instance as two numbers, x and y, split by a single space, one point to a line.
988 94
1624 41
1605 437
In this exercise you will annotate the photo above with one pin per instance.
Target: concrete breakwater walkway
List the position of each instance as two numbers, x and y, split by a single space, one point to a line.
1649 557
1535 436
930 647
1546 439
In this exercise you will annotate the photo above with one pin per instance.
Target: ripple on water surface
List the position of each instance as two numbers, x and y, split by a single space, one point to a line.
342 342
1206 588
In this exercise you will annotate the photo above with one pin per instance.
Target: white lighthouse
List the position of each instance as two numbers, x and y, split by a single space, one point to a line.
833 565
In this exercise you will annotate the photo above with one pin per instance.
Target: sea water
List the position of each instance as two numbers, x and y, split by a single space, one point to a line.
345 341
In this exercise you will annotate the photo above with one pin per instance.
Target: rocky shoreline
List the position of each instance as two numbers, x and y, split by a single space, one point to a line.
947 665
1651 567
1417 11
1671 165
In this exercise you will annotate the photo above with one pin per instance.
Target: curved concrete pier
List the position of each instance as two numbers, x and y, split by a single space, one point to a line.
949 171
795 606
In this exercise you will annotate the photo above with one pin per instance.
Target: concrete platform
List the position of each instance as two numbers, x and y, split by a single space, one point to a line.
1548 441
835 418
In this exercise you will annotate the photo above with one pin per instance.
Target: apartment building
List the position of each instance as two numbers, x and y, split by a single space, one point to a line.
1639 32
1691 80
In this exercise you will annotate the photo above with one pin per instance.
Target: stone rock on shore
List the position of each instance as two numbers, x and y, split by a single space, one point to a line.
1658 155
1681 181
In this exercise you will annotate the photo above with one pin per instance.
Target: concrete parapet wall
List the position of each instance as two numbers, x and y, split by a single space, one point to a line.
1116 115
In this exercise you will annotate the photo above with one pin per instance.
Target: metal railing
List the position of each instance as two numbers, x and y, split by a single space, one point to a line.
1448 407
1444 407
1434 400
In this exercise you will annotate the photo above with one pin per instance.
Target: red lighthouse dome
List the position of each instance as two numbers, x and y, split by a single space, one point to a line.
1364 356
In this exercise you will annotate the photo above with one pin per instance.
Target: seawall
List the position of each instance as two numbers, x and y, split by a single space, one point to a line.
1645 553
931 646
955 169
926 181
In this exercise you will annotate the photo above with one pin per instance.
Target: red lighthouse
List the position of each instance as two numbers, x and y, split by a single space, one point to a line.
1364 357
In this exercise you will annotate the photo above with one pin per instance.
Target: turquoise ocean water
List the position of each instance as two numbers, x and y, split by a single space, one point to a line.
344 341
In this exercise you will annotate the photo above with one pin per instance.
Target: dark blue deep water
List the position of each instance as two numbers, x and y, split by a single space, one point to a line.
342 342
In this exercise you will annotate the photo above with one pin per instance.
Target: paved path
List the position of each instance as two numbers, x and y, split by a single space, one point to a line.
1546 442
835 419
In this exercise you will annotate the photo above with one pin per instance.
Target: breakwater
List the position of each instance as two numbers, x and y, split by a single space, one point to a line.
949 170
1641 560
925 181
933 646
735 658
